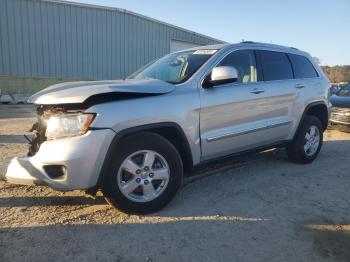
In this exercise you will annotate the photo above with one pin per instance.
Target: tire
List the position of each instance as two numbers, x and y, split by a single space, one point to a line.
117 181
296 150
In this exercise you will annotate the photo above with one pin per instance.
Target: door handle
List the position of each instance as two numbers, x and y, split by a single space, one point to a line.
257 91
299 86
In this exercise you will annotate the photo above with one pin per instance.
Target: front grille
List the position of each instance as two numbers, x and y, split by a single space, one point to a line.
340 115
39 130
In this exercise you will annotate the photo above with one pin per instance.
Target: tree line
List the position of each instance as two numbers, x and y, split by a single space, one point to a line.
337 74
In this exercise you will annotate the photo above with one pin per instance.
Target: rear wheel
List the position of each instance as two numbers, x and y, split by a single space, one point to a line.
308 141
144 174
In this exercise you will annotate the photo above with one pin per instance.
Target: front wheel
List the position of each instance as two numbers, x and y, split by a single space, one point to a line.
308 141
144 174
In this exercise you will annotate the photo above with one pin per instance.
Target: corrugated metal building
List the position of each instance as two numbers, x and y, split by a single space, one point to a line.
65 40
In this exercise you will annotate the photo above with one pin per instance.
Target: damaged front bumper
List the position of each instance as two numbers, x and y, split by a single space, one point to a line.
63 164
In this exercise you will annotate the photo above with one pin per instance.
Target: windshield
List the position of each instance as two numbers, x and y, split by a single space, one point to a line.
345 91
174 68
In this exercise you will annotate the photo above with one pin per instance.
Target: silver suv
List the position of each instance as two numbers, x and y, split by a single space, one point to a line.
134 139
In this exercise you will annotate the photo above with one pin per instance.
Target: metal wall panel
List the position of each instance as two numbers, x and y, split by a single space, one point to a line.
70 41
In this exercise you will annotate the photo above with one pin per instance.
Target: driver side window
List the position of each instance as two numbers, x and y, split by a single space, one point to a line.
244 62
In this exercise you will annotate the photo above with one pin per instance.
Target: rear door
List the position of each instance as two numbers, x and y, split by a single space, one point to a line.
282 91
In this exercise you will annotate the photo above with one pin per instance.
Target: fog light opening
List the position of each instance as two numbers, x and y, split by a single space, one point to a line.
55 171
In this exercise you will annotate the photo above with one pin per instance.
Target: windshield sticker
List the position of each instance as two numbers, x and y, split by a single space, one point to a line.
205 52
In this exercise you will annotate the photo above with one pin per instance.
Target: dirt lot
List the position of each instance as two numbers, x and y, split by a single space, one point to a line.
253 208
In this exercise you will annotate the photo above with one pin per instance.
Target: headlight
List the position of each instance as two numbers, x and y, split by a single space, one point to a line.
68 125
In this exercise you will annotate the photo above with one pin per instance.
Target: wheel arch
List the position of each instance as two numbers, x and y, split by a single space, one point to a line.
169 130
318 109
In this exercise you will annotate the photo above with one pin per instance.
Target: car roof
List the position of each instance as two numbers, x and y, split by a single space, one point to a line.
257 45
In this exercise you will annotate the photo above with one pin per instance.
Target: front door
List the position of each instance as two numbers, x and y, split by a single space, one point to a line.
233 116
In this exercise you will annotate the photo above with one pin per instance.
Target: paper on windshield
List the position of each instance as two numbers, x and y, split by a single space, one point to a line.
205 52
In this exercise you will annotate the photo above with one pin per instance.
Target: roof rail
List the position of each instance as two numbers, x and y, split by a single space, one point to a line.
247 42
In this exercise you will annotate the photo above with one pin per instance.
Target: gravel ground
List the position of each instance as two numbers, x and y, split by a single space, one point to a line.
258 207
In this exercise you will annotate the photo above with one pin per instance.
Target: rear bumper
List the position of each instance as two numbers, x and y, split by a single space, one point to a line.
81 156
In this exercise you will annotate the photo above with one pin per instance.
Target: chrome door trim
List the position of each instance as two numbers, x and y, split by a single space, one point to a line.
233 134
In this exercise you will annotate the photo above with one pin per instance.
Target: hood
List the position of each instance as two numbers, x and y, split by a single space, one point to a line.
79 92
340 101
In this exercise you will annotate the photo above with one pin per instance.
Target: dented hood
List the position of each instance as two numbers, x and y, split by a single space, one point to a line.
79 92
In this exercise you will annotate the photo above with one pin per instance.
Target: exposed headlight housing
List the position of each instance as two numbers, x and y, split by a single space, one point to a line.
67 125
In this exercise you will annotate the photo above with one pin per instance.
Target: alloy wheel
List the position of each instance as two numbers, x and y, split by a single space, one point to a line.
312 141
143 176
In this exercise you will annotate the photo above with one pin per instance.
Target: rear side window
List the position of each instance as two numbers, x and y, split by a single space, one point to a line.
244 62
275 65
302 67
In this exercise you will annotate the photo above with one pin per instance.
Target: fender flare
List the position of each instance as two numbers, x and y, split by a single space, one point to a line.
305 113
148 127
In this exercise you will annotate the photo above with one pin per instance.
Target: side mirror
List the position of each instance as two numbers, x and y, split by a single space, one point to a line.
222 75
